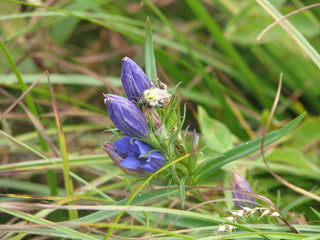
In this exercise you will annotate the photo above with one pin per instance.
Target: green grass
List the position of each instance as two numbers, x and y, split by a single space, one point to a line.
55 179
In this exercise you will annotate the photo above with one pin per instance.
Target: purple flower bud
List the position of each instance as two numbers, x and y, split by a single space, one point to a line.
136 155
240 183
133 79
126 116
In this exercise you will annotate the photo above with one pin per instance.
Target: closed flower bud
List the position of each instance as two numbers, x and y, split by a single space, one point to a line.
126 116
240 183
133 79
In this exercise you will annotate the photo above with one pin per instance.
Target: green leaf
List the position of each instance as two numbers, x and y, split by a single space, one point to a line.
150 61
182 188
213 164
316 212
215 133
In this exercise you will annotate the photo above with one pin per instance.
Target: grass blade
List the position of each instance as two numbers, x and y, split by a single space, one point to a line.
150 61
64 153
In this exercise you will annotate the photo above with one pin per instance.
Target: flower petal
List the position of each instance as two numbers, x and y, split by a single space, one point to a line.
131 162
139 155
143 148
124 145
154 162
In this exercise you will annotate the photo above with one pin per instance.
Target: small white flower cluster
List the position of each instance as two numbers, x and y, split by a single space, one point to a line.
225 227
245 212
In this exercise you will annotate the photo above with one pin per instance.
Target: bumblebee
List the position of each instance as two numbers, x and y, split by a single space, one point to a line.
155 96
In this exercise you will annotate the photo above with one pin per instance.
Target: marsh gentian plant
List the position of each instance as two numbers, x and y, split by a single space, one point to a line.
135 153
152 135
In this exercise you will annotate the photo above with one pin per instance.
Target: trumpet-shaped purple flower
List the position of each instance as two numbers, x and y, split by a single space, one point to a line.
133 79
126 116
135 155
117 157
240 183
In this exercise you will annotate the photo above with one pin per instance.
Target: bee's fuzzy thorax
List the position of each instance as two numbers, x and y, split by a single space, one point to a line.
154 97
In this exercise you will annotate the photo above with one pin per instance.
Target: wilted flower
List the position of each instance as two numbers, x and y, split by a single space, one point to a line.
240 183
133 154
126 116
133 79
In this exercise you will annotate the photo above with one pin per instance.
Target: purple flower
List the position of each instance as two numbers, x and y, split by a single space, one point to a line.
126 116
117 157
136 155
133 79
240 183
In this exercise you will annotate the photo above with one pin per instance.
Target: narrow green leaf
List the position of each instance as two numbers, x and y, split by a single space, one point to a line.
42 232
179 127
150 62
213 164
22 85
182 188
64 153
316 212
